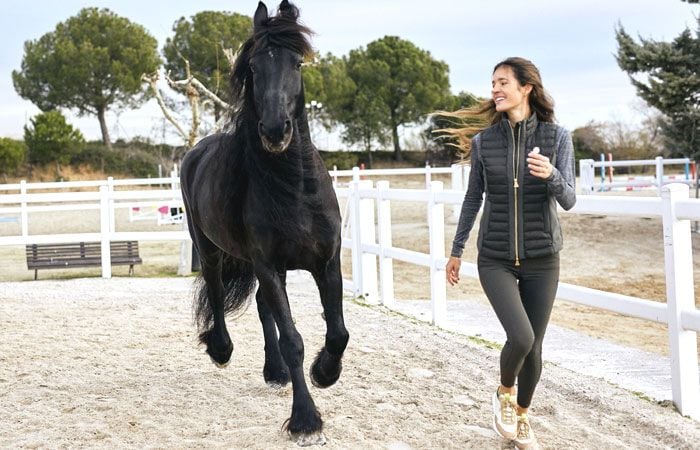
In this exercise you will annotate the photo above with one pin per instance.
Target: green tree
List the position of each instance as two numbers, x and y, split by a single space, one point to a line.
91 63
667 77
201 41
402 83
327 81
363 112
12 155
50 138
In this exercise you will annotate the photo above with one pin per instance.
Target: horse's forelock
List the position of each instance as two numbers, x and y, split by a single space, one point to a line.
283 31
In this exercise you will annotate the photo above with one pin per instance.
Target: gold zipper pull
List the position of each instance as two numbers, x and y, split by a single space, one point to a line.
517 262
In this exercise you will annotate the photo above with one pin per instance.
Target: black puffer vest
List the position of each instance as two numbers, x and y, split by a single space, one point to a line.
520 214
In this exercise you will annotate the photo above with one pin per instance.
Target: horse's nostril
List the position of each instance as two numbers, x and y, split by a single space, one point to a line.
287 125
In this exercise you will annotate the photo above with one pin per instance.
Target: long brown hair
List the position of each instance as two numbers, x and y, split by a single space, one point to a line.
470 121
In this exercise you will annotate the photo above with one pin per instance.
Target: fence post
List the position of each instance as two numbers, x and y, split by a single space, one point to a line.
112 215
105 233
680 297
364 268
456 186
436 228
428 176
24 215
587 175
659 174
185 266
355 173
335 176
386 264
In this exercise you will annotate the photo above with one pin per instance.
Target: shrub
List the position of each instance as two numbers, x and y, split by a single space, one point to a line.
51 139
12 155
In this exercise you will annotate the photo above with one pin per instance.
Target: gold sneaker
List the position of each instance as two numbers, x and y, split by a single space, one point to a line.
524 436
504 414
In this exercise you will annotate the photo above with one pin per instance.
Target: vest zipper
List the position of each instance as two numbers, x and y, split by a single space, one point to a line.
516 161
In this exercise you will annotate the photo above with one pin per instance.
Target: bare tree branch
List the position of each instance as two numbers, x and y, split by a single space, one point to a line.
152 80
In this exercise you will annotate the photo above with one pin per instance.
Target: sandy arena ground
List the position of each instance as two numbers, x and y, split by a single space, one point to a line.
93 363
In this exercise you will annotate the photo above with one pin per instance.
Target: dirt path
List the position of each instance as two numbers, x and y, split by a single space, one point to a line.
113 364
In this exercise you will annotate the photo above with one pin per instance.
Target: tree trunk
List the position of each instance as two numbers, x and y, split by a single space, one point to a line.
103 128
397 148
217 113
368 147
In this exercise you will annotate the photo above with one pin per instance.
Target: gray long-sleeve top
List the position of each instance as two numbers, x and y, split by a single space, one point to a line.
562 183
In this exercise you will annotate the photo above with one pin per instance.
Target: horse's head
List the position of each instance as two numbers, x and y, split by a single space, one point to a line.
273 83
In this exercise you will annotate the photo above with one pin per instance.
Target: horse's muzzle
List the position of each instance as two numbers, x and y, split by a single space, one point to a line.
278 145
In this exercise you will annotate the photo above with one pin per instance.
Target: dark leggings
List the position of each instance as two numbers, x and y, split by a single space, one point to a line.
522 297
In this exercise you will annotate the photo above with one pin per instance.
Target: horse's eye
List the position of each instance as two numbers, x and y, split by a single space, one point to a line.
299 64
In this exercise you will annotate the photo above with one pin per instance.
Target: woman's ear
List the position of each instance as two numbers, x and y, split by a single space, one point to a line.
527 89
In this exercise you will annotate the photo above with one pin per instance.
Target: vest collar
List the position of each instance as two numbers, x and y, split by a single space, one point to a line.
529 124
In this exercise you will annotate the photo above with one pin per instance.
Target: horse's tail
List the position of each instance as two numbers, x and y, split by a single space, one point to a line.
239 282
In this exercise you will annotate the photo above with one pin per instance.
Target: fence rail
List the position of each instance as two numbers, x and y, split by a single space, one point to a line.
608 182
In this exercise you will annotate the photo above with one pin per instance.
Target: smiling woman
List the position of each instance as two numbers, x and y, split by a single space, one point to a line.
523 162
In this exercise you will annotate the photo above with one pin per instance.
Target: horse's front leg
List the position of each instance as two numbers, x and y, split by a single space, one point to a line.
275 370
305 424
326 369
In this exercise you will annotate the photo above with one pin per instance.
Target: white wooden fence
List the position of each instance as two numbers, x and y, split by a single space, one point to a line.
373 251
103 196
373 254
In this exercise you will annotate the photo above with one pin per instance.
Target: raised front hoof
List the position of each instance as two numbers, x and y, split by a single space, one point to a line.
276 378
220 353
307 440
325 370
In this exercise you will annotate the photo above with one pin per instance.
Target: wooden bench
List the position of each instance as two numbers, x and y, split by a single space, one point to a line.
81 254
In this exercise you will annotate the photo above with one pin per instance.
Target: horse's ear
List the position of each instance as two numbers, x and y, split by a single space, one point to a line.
260 16
286 9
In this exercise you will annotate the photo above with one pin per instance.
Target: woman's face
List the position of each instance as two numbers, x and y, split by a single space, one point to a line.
506 92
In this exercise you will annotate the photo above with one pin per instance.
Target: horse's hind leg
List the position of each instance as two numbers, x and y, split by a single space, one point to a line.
326 369
209 306
275 370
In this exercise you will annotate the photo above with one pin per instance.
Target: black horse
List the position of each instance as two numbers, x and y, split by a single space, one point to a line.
259 202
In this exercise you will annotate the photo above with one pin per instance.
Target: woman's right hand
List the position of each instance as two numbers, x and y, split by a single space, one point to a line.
452 270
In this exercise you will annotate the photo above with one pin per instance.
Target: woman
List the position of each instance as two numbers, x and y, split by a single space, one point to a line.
524 163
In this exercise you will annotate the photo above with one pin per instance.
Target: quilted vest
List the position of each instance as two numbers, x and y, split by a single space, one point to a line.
519 219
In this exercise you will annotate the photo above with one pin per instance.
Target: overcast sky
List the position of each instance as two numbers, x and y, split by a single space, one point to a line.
572 42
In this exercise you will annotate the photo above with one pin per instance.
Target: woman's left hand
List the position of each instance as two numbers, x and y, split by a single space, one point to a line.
538 164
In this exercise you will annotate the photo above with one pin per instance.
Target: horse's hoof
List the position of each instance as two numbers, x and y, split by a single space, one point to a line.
276 378
325 371
306 440
218 364
275 386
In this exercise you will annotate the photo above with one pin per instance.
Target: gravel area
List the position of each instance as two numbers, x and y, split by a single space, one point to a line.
114 364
